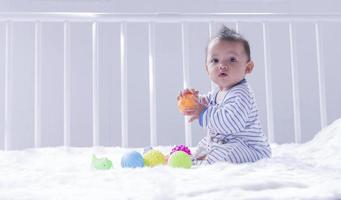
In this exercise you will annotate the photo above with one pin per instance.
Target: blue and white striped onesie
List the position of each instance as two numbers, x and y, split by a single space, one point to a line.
234 134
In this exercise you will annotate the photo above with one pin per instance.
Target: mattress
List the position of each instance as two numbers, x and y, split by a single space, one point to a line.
296 171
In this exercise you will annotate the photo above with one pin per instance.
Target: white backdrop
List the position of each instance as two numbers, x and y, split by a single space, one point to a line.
221 6
169 74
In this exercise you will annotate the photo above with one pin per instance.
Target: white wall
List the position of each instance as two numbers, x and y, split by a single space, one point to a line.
214 6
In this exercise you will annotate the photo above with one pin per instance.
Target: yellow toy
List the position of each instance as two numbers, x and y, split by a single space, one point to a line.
153 158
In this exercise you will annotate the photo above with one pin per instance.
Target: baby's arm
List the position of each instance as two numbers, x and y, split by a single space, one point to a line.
229 118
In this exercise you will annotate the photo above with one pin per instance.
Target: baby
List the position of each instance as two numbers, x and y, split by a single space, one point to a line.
229 113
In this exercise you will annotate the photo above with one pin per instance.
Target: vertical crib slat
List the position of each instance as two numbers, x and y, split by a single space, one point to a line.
210 35
321 77
237 27
268 86
186 78
95 85
295 86
37 84
7 88
66 83
152 89
124 85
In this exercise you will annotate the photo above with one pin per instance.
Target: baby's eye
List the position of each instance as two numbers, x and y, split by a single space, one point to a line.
214 60
232 60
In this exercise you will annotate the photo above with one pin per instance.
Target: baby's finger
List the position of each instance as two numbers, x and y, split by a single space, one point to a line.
186 91
189 112
192 119
204 101
196 92
196 98
183 92
179 96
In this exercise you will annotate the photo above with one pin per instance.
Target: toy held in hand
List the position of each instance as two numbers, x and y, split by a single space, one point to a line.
132 159
153 158
180 159
181 148
187 101
101 163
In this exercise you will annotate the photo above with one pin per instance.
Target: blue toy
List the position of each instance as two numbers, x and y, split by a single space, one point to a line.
132 159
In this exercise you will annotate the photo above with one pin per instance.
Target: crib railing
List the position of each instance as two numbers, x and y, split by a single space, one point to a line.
265 79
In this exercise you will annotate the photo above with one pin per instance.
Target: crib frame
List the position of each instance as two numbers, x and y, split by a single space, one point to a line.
152 18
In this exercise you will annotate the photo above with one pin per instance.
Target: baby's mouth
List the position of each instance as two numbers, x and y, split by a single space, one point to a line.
222 74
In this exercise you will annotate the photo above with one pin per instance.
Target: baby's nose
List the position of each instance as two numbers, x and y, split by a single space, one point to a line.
223 66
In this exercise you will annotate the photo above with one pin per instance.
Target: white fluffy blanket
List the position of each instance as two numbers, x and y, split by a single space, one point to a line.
296 171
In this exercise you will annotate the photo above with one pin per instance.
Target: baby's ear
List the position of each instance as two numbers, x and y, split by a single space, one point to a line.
249 67
206 68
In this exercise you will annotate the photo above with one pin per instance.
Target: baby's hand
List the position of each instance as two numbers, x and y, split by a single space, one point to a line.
195 113
187 91
187 100
200 154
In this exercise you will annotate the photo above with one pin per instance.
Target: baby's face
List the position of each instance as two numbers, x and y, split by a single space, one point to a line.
227 63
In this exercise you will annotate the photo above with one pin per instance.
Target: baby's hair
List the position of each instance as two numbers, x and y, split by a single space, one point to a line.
231 35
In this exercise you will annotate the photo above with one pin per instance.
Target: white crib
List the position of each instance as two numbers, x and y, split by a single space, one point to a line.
108 79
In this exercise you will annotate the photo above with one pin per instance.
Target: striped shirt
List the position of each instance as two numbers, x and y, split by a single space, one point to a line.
235 119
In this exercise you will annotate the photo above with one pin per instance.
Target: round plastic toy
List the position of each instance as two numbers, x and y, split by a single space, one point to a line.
132 159
146 149
187 101
153 158
180 159
181 147
101 163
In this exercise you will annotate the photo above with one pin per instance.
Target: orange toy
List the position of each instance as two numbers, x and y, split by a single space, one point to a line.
186 102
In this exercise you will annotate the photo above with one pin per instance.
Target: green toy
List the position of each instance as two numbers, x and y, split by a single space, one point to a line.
153 158
101 163
180 159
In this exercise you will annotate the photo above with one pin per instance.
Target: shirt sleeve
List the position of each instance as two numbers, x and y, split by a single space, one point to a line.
205 96
229 118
